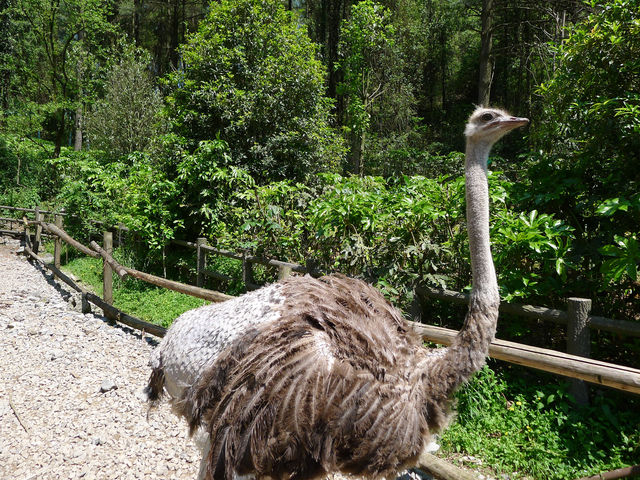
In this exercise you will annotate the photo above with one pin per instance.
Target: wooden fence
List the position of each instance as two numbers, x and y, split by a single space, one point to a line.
577 318
574 364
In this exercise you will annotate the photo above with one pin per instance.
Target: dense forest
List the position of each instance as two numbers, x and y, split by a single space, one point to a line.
331 131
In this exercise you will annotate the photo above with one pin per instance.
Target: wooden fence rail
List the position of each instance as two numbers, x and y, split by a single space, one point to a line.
576 367
578 321
29 210
622 327
572 366
202 249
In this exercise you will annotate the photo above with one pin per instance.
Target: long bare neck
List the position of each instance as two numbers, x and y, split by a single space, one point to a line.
485 284
469 350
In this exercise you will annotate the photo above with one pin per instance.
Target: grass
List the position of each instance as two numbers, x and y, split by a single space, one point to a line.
147 302
526 423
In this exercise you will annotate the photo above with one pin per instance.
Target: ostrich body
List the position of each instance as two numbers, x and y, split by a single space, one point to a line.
311 376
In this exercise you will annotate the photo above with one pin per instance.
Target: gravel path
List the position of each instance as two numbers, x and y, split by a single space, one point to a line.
55 423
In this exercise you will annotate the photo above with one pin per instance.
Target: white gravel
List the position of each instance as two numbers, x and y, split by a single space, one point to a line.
55 422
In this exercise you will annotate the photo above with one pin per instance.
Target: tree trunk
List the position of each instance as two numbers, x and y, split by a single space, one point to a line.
443 67
357 149
174 38
78 124
486 44
4 95
135 27
77 143
334 19
59 133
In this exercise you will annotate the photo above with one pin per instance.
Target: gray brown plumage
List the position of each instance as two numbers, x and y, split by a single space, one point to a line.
327 387
312 376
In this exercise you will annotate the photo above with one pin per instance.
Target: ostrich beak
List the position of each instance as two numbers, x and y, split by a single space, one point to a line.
510 123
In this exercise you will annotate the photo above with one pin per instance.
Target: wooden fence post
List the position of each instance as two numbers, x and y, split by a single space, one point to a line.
36 243
283 272
57 246
247 273
120 228
107 273
201 256
579 341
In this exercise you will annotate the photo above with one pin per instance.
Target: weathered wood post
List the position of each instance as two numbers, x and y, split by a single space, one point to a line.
107 273
27 233
120 229
579 341
283 272
247 272
57 245
36 242
201 260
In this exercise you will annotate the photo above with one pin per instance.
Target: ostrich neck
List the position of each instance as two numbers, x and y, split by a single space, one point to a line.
444 372
485 285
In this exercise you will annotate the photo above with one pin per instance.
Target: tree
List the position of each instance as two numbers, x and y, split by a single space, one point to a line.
372 75
6 51
251 78
324 18
589 142
486 43
126 119
160 27
62 39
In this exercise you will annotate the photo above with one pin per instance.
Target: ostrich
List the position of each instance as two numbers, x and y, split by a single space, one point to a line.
308 376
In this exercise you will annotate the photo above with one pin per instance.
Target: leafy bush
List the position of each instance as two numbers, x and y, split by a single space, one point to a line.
517 423
395 232
28 179
126 119
136 194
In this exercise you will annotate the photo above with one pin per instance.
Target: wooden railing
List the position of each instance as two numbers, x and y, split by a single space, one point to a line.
576 318
202 250
573 364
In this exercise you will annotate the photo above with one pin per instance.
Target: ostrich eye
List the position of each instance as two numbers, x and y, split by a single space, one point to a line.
486 117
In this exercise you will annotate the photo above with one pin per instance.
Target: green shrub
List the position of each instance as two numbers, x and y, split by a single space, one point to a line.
520 423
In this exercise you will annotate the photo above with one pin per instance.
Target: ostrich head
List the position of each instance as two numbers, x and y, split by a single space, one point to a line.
490 125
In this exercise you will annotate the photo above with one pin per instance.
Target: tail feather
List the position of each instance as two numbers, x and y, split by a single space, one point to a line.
155 387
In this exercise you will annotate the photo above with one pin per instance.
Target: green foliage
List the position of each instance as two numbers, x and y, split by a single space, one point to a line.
385 228
126 118
626 258
378 97
539 246
56 60
135 194
153 304
413 229
206 181
251 79
367 36
588 139
275 214
27 179
516 424
394 232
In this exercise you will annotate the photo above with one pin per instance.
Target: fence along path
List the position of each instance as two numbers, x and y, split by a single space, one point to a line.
440 469
570 365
